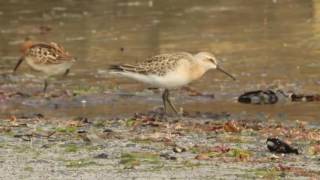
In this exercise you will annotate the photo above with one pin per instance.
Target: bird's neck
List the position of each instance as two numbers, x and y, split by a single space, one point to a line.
197 71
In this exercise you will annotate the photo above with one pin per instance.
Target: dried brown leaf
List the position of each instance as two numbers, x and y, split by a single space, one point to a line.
231 126
202 156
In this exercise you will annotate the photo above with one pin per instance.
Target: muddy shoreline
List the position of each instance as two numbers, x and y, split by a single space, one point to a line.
154 146
94 126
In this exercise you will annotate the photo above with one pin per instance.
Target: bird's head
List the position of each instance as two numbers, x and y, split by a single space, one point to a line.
209 61
26 45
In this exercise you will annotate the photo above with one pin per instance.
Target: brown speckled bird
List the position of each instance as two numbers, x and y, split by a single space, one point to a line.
49 58
170 71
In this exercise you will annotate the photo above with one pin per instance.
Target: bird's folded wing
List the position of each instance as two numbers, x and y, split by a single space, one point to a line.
157 65
49 54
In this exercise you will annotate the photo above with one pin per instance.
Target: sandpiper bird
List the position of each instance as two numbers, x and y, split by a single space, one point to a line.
170 71
49 58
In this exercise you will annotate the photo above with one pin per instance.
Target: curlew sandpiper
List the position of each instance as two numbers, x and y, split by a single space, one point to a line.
170 71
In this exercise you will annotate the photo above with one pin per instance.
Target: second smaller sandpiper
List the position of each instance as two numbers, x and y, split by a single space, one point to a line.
49 58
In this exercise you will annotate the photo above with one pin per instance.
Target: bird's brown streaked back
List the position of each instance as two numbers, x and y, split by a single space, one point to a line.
52 53
157 65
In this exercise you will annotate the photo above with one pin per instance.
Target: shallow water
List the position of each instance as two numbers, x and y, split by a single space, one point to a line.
263 43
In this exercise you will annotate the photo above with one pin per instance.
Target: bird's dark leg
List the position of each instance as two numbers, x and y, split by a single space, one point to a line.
169 102
164 100
45 85
66 73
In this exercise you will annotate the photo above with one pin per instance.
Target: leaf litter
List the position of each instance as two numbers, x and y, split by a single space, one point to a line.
149 141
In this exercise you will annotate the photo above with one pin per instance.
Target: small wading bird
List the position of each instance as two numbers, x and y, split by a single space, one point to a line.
170 71
49 58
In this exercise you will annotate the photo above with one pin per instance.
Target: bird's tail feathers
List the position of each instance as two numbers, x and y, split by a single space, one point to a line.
116 68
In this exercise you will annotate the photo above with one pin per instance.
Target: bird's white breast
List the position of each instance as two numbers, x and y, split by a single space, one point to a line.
49 69
170 80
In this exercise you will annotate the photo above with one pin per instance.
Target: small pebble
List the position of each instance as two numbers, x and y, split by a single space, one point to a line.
80 131
108 130
168 157
179 149
101 156
46 146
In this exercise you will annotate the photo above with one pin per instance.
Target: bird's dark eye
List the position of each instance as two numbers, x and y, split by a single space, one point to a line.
212 60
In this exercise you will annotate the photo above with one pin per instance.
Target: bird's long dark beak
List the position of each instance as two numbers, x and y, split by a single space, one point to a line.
226 73
18 64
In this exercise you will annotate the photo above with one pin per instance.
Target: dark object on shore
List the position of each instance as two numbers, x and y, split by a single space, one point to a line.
168 156
305 98
108 131
272 97
278 146
101 156
259 97
81 131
